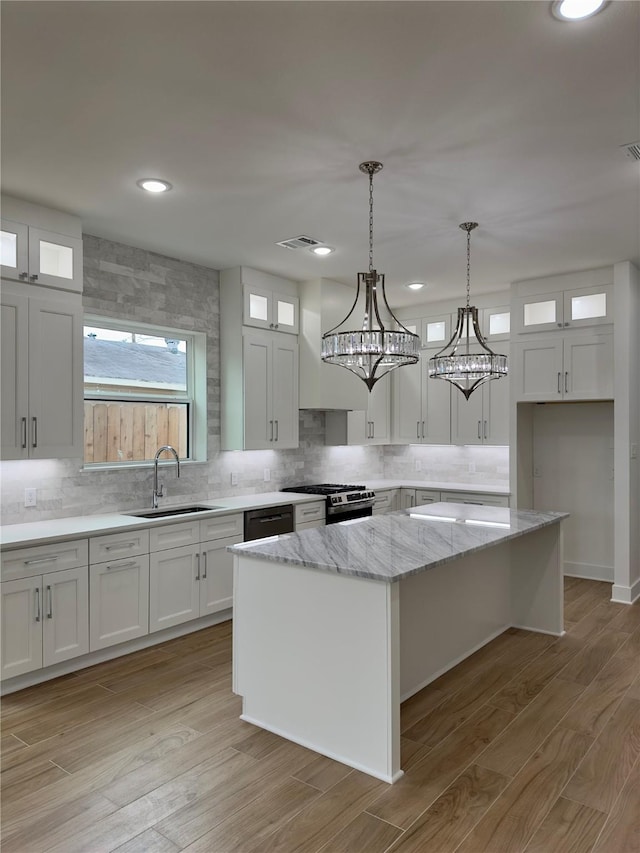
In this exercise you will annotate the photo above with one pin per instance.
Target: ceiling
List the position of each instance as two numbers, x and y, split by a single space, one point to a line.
259 113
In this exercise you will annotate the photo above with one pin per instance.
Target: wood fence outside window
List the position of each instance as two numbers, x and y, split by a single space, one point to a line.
132 432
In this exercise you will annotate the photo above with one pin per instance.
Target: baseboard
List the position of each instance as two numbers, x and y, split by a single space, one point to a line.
588 571
626 594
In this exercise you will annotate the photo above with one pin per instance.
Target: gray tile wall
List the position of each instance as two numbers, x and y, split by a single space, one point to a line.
122 282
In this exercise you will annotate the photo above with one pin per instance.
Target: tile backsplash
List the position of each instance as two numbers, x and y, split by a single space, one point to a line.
129 283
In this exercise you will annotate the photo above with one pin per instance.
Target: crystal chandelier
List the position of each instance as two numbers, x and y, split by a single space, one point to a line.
370 341
467 360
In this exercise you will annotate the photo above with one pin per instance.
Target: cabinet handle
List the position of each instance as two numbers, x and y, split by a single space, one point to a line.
418 429
485 430
271 433
50 611
120 566
479 432
373 429
271 325
23 431
559 325
119 546
566 324
566 382
277 430
423 429
204 565
49 559
33 277
197 567
559 388
277 325
23 275
34 432
37 592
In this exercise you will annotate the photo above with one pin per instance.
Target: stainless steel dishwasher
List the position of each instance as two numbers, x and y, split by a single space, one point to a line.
269 521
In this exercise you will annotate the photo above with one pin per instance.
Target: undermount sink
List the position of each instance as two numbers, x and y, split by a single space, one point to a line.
176 510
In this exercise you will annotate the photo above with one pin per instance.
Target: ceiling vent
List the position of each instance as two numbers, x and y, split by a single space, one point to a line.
300 242
632 150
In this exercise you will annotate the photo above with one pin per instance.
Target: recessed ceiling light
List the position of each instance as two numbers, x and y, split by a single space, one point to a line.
415 285
154 185
322 250
576 10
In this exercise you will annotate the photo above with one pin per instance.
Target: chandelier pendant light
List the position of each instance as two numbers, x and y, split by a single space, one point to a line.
467 361
370 341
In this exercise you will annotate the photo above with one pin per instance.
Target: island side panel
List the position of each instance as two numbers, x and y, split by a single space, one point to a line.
316 660
449 612
537 590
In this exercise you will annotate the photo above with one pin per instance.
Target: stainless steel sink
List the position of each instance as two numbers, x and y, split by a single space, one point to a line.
169 511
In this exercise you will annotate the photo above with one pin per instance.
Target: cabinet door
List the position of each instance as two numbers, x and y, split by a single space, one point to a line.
257 307
65 621
407 498
407 403
118 602
495 407
496 323
21 626
426 496
286 310
588 367
540 313
379 414
14 367
435 331
55 260
590 306
216 578
174 577
285 392
55 378
14 251
467 417
536 370
436 408
257 378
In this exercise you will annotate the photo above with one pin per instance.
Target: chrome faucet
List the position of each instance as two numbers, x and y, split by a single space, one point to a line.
157 490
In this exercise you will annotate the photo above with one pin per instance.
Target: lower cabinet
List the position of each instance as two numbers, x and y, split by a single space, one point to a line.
45 620
419 497
118 601
387 500
309 515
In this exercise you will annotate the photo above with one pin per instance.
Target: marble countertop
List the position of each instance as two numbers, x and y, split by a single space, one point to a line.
393 546
438 485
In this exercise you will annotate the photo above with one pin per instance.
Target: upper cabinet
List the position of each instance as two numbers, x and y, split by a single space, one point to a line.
569 309
259 364
40 246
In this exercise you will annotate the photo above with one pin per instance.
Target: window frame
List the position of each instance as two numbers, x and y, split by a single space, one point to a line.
195 396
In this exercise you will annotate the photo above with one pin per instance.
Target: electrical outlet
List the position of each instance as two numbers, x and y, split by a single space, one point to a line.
234 478
418 465
30 497
472 467
537 471
267 475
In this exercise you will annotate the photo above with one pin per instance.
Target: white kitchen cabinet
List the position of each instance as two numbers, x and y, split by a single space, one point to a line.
196 578
310 515
267 309
484 417
363 426
379 413
118 601
435 331
42 374
418 497
495 323
562 309
45 620
421 406
407 498
270 391
387 500
34 255
567 367
475 498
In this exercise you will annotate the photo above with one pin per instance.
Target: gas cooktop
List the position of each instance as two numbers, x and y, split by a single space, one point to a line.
324 489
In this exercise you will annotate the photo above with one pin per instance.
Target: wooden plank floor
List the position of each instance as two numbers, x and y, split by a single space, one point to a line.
531 744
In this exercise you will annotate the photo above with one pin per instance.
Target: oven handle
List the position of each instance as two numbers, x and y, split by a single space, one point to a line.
354 503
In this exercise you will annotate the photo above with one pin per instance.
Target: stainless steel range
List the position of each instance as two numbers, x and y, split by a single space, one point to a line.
344 502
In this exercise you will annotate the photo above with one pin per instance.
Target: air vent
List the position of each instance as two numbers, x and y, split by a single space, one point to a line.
300 242
632 150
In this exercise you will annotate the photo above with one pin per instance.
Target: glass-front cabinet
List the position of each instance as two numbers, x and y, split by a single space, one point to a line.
267 309
568 309
36 256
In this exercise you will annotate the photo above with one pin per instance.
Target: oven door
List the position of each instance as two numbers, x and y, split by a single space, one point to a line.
336 514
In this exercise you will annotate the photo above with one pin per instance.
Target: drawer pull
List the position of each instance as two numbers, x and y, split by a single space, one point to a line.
197 567
37 592
23 432
204 566
310 511
34 440
119 547
49 559
119 566
50 594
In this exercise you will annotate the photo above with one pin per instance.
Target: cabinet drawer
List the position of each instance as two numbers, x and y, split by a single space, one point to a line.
28 562
115 545
309 512
477 498
385 501
174 535
427 496
221 527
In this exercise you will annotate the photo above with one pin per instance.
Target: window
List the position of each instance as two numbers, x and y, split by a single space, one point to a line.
143 387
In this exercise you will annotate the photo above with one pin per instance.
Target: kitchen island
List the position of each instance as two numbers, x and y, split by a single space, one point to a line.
334 627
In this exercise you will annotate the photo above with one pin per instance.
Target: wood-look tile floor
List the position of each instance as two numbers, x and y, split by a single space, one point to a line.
531 744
